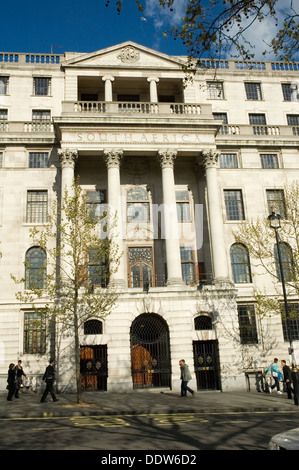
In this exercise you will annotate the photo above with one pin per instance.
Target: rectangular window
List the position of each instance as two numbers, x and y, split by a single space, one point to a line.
290 91
41 86
95 203
183 205
4 81
97 268
221 117
34 333
1 159
293 119
228 160
247 324
37 207
3 114
38 160
253 91
187 263
41 115
276 202
234 204
293 310
269 160
141 267
255 118
215 90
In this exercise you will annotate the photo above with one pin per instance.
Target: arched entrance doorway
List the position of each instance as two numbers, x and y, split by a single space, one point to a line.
150 352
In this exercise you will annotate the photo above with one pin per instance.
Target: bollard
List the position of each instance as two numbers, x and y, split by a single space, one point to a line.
295 384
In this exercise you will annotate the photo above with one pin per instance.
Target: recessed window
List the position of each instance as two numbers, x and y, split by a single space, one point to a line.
215 90
257 118
138 206
187 264
228 160
253 91
93 327
97 268
41 86
203 322
269 160
95 203
183 205
293 309
3 114
38 160
290 91
41 115
286 262
234 204
1 159
35 270
276 202
293 119
34 333
141 267
247 324
37 207
4 81
221 117
240 264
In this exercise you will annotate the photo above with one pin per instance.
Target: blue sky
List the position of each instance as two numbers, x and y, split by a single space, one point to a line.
81 26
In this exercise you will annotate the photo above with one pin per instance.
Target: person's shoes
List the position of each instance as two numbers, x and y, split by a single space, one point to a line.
270 390
17 396
279 393
9 399
42 401
56 399
193 394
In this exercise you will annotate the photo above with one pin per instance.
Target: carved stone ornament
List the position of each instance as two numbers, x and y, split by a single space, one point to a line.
67 157
113 158
167 158
210 159
129 55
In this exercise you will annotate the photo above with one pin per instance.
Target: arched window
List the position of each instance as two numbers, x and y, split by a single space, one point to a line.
240 264
35 268
93 327
286 261
203 322
138 205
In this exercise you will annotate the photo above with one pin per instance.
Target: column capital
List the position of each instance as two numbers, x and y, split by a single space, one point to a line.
167 158
152 78
210 158
113 157
108 77
67 157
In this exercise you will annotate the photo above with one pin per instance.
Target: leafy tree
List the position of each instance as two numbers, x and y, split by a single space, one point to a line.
218 29
73 286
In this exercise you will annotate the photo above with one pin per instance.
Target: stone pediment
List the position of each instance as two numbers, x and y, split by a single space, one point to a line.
127 54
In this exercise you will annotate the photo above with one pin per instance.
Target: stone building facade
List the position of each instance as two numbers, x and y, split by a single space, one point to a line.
140 138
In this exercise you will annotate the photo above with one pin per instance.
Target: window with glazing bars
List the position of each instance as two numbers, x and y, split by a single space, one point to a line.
34 333
97 268
240 264
138 205
276 202
37 207
228 160
41 86
293 119
290 91
269 160
247 324
221 117
293 310
255 118
287 263
95 203
3 114
35 268
253 91
4 81
234 204
1 159
41 115
38 160
183 205
215 90
187 264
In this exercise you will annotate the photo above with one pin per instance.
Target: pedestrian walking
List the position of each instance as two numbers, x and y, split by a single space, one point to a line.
185 377
274 373
19 374
11 381
49 377
287 379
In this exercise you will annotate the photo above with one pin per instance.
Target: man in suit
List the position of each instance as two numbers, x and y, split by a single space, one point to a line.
287 378
49 377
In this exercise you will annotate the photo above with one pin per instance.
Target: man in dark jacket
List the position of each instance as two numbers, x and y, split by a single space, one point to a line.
49 377
287 378
185 377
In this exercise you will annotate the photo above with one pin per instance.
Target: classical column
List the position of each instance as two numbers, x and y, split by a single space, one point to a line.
67 158
113 159
219 259
153 89
171 232
108 79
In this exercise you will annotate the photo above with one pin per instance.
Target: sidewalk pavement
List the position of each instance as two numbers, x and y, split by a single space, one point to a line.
142 402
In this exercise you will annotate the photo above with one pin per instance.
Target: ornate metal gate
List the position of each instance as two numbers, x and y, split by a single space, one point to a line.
206 365
93 367
150 352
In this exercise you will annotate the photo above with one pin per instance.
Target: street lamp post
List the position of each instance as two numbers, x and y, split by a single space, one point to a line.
274 220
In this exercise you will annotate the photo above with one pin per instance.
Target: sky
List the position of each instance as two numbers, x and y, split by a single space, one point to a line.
87 26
